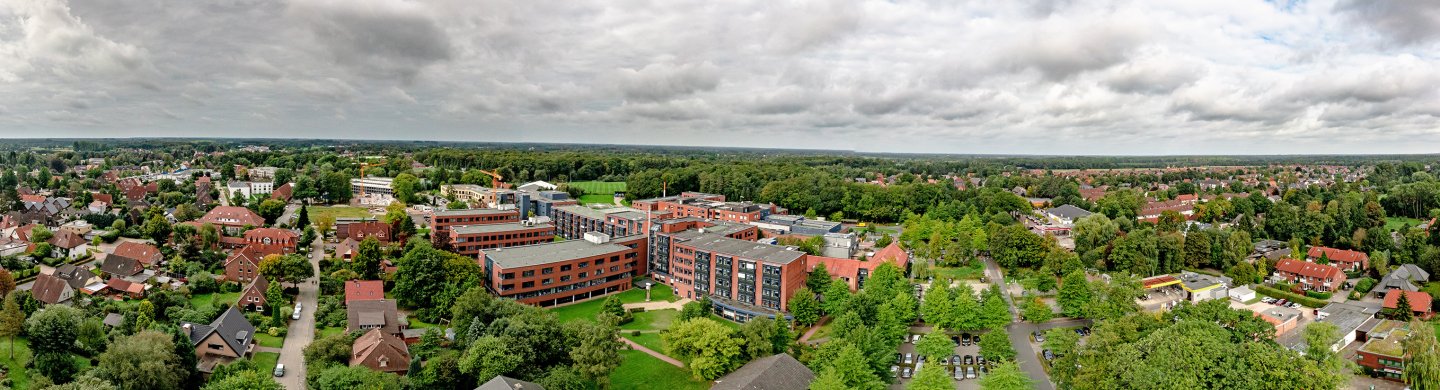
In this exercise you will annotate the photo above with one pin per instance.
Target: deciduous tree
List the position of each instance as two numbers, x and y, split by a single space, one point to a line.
804 307
145 360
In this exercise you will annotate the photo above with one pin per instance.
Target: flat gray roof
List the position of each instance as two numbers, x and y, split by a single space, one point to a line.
448 213
551 252
497 228
750 250
596 213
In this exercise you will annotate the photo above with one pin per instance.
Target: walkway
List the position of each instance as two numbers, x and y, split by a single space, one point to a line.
1025 355
806 337
652 352
302 331
658 305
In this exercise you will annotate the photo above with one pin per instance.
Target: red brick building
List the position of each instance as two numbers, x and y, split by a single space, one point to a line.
1310 276
854 271
743 278
358 231
1420 302
469 240
1383 354
444 219
243 265
232 219
557 273
1347 260
147 254
252 298
707 206
285 241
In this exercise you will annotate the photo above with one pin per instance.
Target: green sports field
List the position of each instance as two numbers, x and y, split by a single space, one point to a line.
600 187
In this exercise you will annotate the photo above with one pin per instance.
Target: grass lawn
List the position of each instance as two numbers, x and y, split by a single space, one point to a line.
657 320
417 324
1431 288
640 371
974 271
265 361
328 331
588 309
266 340
20 379
649 340
732 324
597 199
1393 223
607 188
340 212
823 332
203 302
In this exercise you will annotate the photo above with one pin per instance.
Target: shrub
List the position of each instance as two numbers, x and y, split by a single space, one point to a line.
1365 285
1293 297
635 333
637 310
1318 295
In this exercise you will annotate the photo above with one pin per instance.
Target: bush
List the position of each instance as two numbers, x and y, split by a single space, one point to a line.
1297 298
1365 285
1318 295
276 331
637 310
635 333
230 287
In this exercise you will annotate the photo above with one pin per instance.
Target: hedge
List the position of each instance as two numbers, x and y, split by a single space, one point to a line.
1364 285
1292 297
1318 295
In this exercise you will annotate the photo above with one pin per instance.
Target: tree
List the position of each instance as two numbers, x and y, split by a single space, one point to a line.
12 321
157 228
935 345
759 337
854 369
404 186
598 351
52 331
1422 369
323 223
244 380
1036 310
40 234
7 282
1074 294
351 378
145 360
818 279
804 307
1318 338
931 377
936 308
994 312
829 379
271 210
837 297
995 345
367 259
302 219
333 349
1094 232
695 309
396 216
711 347
1006 376
427 277
1402 310
1015 246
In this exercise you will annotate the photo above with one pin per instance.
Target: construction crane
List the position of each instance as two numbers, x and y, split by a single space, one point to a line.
495 180
364 165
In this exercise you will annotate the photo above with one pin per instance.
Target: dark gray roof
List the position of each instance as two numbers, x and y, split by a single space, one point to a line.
232 327
497 228
1068 212
507 383
446 213
742 249
775 372
551 252
1404 278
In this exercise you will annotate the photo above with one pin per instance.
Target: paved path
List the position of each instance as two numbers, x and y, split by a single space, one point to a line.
652 352
267 349
658 305
806 337
302 331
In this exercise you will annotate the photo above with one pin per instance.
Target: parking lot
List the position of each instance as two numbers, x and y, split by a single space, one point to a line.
1161 299
961 351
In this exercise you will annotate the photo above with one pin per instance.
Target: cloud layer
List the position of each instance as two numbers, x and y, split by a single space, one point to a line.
968 76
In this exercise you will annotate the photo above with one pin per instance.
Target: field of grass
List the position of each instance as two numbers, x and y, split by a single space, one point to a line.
206 302
20 379
1393 223
657 319
340 212
1431 288
587 310
265 362
597 199
328 331
266 340
640 371
649 340
606 188
418 324
974 271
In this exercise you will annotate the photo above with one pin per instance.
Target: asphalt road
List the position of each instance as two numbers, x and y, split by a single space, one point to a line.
302 331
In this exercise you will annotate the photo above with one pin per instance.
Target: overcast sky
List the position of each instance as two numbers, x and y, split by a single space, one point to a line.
951 76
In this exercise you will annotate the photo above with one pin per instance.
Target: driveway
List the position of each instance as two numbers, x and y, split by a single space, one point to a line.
302 331
1025 353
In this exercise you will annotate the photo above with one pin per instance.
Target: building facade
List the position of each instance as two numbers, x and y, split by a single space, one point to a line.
470 240
744 279
557 273
442 220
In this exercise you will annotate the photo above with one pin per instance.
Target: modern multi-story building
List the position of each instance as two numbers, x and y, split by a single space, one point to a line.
371 186
470 240
708 206
744 279
662 234
442 220
574 221
562 272
468 193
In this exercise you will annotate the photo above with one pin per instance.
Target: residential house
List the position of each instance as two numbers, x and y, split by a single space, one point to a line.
252 298
358 231
282 193
774 372
126 288
1406 277
347 249
1310 276
380 351
364 290
78 278
1347 260
244 265
67 244
507 383
147 254
282 240
121 266
232 219
378 314
1419 302
224 340
50 289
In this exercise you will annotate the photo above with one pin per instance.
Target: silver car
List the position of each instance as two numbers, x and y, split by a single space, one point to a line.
970 372
905 372
909 358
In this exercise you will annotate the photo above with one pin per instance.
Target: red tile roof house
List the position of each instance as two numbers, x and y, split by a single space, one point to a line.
1310 276
1420 302
347 249
1345 259
285 240
380 351
252 298
147 254
232 218
244 265
364 290
282 193
360 230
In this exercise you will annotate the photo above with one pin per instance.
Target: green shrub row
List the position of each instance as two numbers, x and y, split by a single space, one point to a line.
1293 297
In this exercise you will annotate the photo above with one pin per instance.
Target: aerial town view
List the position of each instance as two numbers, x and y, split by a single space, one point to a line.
733 195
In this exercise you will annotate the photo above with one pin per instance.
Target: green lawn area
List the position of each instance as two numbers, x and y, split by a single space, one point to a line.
340 212
974 271
20 379
1431 288
203 302
418 324
597 199
328 331
822 333
658 319
1393 223
265 361
266 340
649 340
607 188
732 324
588 309
641 371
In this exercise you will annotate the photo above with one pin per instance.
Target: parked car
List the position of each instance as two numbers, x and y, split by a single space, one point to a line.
914 338
954 360
965 339
280 370
898 358
1039 337
979 359
969 359
959 373
894 370
905 372
909 358
1267 300
1048 355
296 314
970 372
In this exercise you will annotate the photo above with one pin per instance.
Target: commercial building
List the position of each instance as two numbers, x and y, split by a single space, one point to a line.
468 193
1065 215
797 224
744 279
1283 318
1197 287
557 273
708 206
442 220
663 232
855 272
541 203
1384 352
470 240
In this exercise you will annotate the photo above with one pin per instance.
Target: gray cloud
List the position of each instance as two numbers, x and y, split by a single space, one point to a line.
1403 21
663 81
389 38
